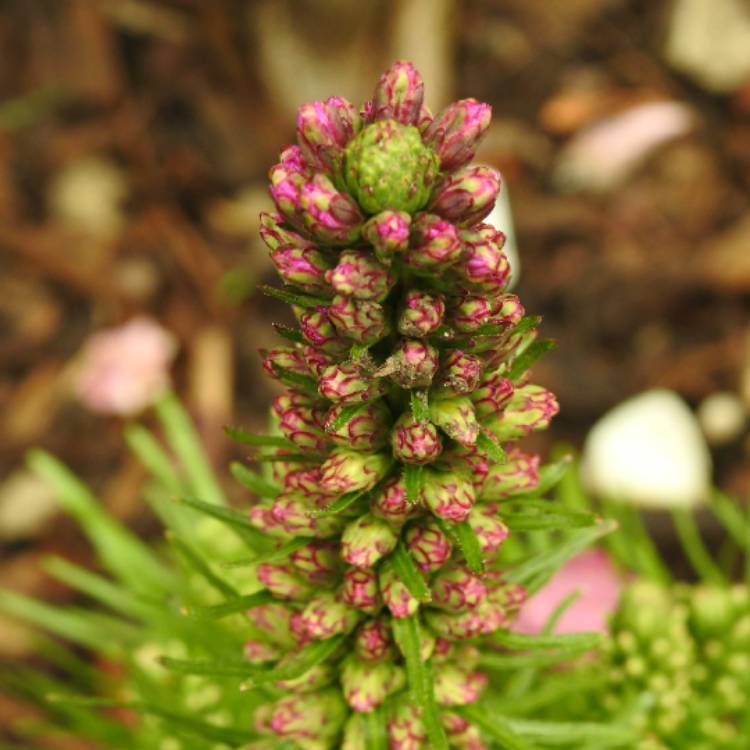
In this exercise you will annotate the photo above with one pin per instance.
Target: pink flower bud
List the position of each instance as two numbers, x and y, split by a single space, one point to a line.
314 679
359 320
456 626
287 178
282 581
456 687
518 475
456 589
456 131
316 360
325 617
323 129
448 495
399 94
301 422
366 431
347 383
492 394
474 311
391 504
489 529
318 562
470 739
467 461
304 267
275 234
388 233
459 372
531 408
395 594
421 313
294 514
317 328
415 442
373 640
360 590
357 274
261 516
435 244
285 357
346 470
330 216
453 723
309 717
366 684
455 416
428 546
259 652
483 267
466 196
366 540
412 364
405 729
273 620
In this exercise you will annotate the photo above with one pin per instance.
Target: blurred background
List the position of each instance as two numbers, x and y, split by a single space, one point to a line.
135 136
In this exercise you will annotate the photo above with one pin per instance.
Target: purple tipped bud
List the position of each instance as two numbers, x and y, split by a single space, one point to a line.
492 394
360 590
325 617
489 529
301 422
421 313
412 364
323 129
466 196
405 729
455 589
294 514
474 311
456 131
346 470
330 216
288 178
469 739
459 373
316 360
366 684
456 687
415 442
453 723
399 94
388 233
273 620
519 474
467 461
434 244
366 540
282 581
274 234
315 678
361 321
357 274
456 626
259 652
448 495
531 408
317 328
427 544
317 562
395 594
309 718
391 504
304 267
366 431
455 416
262 517
484 267
285 357
346 383
373 641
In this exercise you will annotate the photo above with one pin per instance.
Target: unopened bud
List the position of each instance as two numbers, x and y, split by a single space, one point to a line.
399 94
415 442
360 590
459 372
324 129
301 422
466 196
357 274
325 617
347 383
455 132
359 320
435 244
366 431
448 495
388 233
492 394
395 595
373 640
456 589
367 540
455 416
531 408
317 328
519 474
421 313
366 684
413 363
346 470
330 216
428 546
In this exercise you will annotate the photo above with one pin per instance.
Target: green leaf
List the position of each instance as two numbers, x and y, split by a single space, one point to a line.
695 549
420 678
470 546
524 325
200 566
407 571
150 453
247 438
290 334
358 351
240 522
551 474
420 407
344 416
231 606
530 355
541 515
491 447
375 730
413 479
338 505
280 553
496 727
294 298
265 458
558 733
252 481
584 641
297 380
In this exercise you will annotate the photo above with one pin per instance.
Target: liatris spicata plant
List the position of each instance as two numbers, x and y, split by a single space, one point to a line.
373 604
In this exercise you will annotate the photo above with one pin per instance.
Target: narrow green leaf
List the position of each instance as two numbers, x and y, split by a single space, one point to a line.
413 479
239 668
535 519
231 606
470 546
584 641
338 505
420 678
409 574
534 660
150 453
344 416
551 474
296 380
358 351
200 566
285 458
280 553
252 481
558 733
496 727
695 548
729 512
294 298
290 334
420 407
240 522
489 445
375 730
247 438
524 325
530 355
